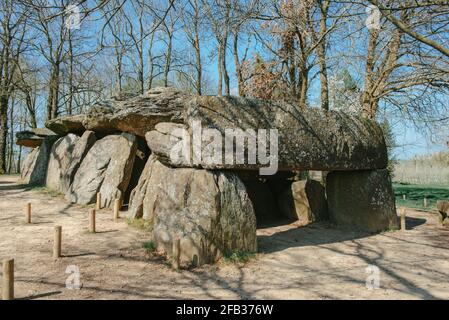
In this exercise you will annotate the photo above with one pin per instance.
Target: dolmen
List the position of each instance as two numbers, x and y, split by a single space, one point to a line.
210 170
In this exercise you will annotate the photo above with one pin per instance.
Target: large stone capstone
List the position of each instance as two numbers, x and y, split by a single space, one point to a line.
67 124
33 138
309 139
106 168
209 211
362 200
135 114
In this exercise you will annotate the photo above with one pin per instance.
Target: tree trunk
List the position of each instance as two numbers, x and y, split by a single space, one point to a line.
11 139
3 132
225 69
220 71
368 104
71 84
167 61
199 68
31 110
53 97
321 52
304 87
238 67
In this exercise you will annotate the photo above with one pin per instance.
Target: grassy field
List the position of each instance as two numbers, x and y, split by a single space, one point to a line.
415 194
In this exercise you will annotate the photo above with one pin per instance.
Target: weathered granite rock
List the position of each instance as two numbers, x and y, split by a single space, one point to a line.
60 158
34 169
33 138
65 159
209 211
82 147
162 141
106 168
362 200
139 114
138 194
309 139
304 201
443 210
67 124
28 164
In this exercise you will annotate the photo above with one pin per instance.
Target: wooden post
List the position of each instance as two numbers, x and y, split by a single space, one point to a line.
8 280
404 197
425 202
176 253
28 213
92 221
98 201
403 228
117 206
57 242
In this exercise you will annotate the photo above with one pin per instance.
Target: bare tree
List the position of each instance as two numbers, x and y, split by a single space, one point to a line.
193 27
12 35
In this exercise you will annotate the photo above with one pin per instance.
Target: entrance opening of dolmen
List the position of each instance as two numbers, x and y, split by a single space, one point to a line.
286 198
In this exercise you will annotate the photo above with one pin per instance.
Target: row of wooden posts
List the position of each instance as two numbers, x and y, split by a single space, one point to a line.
8 265
404 197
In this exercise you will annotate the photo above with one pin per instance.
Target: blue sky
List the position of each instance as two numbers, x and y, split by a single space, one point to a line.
411 142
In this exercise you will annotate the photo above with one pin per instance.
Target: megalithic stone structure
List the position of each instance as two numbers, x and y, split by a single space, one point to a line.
214 207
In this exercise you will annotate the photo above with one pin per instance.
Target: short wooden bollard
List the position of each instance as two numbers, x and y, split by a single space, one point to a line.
403 228
117 205
176 253
57 242
425 202
404 197
8 280
92 221
98 201
28 213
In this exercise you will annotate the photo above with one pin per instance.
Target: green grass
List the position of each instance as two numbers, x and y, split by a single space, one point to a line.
140 223
149 246
47 191
238 256
415 194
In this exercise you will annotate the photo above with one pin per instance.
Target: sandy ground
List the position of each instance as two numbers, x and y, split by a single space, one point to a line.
315 262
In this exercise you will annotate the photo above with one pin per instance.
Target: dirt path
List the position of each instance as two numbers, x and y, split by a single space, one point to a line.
315 262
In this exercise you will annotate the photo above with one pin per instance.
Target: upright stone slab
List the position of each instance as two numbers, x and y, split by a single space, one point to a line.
28 164
209 211
60 159
362 200
138 194
304 201
34 169
82 147
106 168
443 211
65 158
